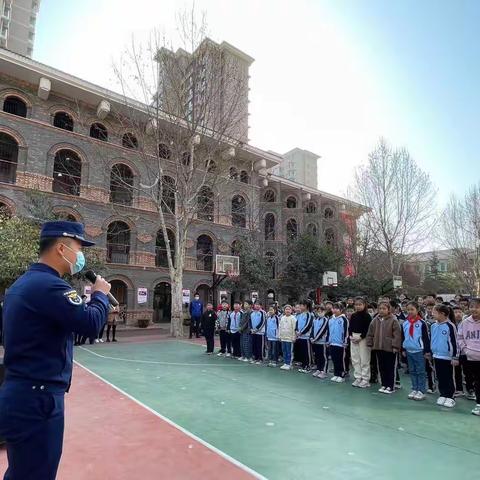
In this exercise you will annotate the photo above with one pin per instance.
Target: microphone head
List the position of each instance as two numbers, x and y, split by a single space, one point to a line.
90 276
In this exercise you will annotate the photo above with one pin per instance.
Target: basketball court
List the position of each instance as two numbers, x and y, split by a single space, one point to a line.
164 409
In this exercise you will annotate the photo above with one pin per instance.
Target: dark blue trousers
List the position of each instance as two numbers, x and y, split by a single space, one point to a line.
32 423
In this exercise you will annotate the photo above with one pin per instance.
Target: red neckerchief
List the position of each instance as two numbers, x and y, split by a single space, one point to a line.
412 322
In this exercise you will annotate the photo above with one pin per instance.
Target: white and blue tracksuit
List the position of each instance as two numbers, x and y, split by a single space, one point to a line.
257 322
318 338
444 349
416 344
273 340
337 340
303 346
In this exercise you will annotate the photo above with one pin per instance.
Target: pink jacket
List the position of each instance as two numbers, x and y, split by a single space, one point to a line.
469 338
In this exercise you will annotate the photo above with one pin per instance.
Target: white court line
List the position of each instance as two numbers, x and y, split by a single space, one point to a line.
154 362
178 427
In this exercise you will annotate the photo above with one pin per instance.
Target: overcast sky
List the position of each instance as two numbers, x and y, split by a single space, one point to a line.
329 76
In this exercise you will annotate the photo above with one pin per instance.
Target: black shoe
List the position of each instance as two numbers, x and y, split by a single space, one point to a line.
114 340
108 340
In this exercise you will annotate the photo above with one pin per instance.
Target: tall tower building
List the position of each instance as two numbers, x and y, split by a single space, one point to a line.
300 166
17 25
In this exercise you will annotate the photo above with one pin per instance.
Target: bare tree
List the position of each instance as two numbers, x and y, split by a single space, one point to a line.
461 233
185 114
401 201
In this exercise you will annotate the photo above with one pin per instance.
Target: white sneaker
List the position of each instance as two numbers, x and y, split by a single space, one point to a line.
430 390
441 401
289 367
220 354
458 393
96 340
334 379
284 367
364 384
412 394
449 403
240 359
322 375
258 362
476 410
228 354
101 340
381 389
315 373
419 396
340 380
246 360
471 395
356 383
388 391
304 370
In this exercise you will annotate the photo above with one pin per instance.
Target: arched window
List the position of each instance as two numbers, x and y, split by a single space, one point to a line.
161 258
292 229
164 151
186 158
99 131
311 207
67 173
330 237
291 202
239 211
5 210
244 176
168 187
63 120
129 140
121 184
210 165
235 248
233 173
269 226
312 229
205 204
269 196
8 158
270 264
328 212
204 253
118 242
15 106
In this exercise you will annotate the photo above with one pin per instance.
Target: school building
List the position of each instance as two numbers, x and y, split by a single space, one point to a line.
46 146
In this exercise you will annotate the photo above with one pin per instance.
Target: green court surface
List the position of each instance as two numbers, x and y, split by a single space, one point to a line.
285 425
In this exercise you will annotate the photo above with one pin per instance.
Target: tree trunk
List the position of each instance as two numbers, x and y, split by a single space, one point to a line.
176 326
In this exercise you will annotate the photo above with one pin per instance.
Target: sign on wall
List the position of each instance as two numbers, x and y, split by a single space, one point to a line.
142 295
185 295
254 296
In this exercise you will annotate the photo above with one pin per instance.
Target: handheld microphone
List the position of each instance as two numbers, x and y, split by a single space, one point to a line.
92 277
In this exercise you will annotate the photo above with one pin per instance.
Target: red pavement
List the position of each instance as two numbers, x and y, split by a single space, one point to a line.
110 437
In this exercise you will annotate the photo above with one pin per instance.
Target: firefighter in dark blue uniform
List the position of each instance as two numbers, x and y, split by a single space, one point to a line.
40 314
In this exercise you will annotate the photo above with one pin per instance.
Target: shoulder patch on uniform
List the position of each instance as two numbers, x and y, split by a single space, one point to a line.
73 297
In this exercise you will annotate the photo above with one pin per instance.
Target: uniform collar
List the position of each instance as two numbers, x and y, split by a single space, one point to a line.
42 267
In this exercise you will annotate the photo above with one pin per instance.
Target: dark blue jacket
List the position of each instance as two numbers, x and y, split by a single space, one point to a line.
40 313
196 308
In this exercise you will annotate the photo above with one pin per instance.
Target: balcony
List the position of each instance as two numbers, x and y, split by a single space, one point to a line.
117 253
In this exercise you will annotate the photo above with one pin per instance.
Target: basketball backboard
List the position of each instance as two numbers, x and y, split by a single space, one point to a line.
227 265
329 279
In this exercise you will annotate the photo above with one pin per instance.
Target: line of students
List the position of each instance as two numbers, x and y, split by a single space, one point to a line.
444 341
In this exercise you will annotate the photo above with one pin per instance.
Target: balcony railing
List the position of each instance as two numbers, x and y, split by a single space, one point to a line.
118 253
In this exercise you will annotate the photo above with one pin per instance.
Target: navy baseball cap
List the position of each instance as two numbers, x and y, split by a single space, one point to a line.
63 228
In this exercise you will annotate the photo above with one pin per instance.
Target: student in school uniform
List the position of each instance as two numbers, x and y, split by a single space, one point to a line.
258 319
272 336
337 341
222 324
357 330
318 339
208 321
303 328
233 329
287 334
429 303
445 353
